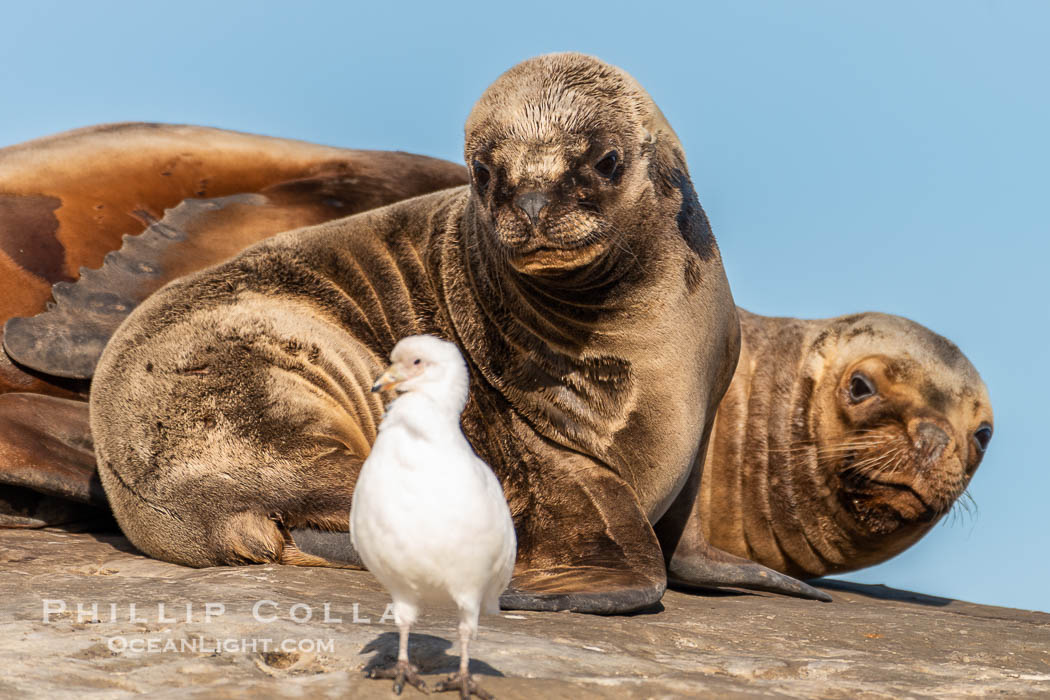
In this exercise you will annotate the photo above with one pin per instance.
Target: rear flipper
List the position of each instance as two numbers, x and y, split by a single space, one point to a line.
693 563
712 568
67 339
332 547
47 464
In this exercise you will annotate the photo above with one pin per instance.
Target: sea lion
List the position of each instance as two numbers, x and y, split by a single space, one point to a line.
840 442
65 203
580 278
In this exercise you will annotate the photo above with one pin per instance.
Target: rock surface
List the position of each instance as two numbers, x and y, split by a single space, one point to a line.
872 642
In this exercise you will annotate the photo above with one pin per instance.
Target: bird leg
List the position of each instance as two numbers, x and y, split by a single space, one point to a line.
462 680
402 671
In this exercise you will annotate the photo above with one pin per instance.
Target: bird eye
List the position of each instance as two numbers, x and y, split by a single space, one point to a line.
608 165
482 175
860 388
417 361
982 437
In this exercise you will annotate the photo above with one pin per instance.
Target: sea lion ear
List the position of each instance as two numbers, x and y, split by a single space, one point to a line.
670 177
666 158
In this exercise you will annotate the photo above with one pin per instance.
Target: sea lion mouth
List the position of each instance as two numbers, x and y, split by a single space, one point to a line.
885 506
545 258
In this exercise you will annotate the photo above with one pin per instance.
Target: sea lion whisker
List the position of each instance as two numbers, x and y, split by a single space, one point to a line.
803 448
965 503
876 464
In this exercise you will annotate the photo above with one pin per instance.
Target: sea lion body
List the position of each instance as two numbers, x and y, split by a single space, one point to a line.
577 274
840 442
262 365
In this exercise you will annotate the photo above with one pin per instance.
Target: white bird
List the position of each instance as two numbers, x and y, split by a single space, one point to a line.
428 517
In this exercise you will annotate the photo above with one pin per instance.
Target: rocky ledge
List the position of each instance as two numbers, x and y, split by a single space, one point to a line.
85 615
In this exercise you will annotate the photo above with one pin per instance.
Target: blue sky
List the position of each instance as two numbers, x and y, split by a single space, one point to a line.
885 155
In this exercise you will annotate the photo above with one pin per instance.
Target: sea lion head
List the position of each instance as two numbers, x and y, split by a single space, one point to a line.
564 152
901 420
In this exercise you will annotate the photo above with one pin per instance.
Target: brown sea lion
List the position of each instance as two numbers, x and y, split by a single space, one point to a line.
580 278
65 203
840 442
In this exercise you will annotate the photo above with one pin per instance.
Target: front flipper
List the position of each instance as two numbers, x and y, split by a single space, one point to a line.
47 464
596 590
693 563
585 545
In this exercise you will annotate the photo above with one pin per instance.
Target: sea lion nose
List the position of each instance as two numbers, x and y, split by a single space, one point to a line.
532 204
931 438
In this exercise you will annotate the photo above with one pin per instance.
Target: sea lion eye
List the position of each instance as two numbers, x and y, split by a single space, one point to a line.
982 437
608 165
417 361
860 388
482 175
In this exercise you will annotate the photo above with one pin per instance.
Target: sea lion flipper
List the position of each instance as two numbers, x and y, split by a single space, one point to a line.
47 466
66 200
67 339
708 567
608 561
335 548
581 589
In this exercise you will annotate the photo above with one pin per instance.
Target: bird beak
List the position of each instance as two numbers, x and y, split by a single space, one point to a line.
389 379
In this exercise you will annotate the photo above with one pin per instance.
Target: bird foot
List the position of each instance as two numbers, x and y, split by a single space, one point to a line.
465 684
402 672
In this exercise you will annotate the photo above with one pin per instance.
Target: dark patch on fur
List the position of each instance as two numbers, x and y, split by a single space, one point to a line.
936 397
691 219
946 351
868 330
28 233
898 370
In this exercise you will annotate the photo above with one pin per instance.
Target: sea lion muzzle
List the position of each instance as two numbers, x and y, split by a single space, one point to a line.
930 439
532 203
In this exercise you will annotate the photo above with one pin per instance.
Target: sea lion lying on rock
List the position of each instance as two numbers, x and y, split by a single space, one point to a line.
580 278
840 442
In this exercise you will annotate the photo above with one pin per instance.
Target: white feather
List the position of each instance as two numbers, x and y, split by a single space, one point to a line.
428 517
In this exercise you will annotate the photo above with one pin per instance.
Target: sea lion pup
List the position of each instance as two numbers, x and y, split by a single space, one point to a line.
578 275
840 442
